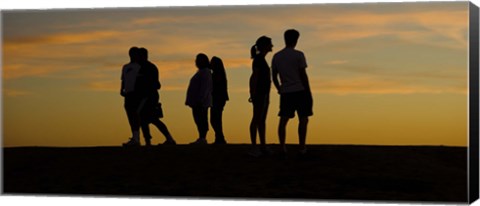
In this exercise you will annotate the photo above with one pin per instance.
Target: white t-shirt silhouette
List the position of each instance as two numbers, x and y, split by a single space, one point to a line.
288 62
129 76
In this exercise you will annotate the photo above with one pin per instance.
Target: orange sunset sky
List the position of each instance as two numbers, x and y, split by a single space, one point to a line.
381 73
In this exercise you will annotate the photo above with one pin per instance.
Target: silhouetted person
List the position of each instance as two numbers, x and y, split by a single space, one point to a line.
219 97
148 82
199 96
259 93
131 95
294 90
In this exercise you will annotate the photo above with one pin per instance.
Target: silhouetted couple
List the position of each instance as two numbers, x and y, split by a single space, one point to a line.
208 89
294 89
140 85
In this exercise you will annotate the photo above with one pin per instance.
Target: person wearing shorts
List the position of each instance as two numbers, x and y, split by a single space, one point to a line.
131 96
295 94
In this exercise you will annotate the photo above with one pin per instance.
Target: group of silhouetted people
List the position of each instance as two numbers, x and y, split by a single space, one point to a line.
140 87
208 90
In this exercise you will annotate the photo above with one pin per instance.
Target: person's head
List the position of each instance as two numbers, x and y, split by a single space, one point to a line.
133 52
216 65
263 45
202 61
291 37
143 54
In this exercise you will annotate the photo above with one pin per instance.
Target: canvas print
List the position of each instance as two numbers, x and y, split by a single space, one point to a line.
350 102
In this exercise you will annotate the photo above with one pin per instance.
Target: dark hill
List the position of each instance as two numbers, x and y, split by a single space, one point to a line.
330 172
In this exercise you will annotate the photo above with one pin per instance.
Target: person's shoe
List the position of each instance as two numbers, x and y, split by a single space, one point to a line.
132 142
266 151
282 155
220 142
148 141
169 142
303 155
200 141
255 152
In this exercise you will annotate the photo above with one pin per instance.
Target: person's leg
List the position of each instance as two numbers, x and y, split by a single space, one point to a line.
262 123
146 133
133 120
260 107
200 115
286 112
203 122
254 124
131 106
216 122
304 108
302 132
146 117
282 132
163 129
258 125
196 118
221 135
214 119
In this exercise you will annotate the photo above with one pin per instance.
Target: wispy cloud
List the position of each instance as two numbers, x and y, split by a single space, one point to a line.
64 38
97 52
16 93
336 62
366 85
104 86
14 71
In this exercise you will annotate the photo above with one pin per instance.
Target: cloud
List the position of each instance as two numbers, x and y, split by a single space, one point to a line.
414 25
15 71
114 86
63 38
336 62
16 93
95 50
104 86
370 85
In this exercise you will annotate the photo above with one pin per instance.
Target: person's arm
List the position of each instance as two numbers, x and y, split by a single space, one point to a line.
122 85
156 80
303 73
206 86
253 82
304 79
276 83
225 86
192 91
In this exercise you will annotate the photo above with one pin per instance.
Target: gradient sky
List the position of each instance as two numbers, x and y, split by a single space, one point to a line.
382 74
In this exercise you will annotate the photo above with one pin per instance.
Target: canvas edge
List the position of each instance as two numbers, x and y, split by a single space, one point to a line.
473 147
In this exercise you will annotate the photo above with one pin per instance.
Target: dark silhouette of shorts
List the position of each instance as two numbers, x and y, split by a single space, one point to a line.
152 109
261 100
133 103
301 101
157 111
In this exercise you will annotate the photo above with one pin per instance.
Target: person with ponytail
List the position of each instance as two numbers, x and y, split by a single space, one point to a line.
260 82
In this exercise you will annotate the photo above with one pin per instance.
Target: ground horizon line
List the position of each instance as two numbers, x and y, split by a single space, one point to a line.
239 144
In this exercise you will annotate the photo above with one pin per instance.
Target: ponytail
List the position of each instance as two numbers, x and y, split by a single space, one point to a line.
253 51
261 43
